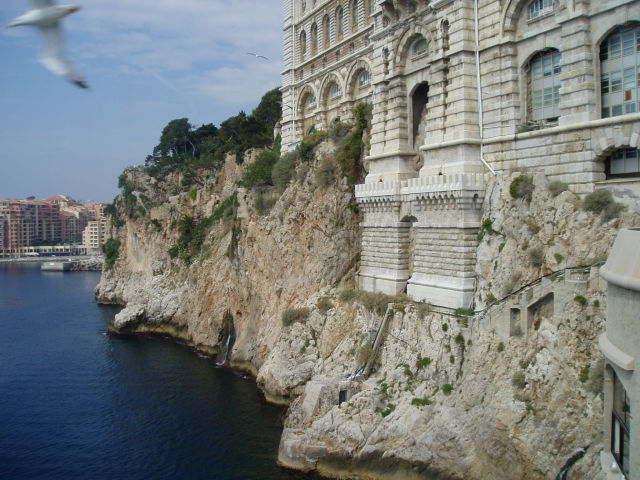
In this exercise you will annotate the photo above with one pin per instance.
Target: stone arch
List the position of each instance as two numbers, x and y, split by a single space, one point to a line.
602 36
307 90
352 75
419 96
410 35
326 81
510 16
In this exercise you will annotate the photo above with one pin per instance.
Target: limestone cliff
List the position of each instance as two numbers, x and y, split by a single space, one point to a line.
481 396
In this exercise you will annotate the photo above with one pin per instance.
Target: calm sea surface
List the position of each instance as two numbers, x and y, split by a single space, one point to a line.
77 403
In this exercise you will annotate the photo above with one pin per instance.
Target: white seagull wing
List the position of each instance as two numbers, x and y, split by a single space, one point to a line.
54 57
37 4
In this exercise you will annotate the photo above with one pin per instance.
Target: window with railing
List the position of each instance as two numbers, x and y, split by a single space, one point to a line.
335 90
620 72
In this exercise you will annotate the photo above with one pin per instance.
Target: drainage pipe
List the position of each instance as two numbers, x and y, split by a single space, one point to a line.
480 116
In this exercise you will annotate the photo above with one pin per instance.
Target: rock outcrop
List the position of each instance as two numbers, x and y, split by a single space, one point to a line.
450 396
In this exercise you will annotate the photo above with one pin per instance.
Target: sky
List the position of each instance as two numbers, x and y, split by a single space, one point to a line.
147 62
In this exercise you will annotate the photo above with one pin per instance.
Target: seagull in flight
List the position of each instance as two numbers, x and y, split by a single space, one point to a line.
257 56
46 15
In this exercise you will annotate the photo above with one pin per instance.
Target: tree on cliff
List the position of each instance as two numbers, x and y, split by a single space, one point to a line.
181 144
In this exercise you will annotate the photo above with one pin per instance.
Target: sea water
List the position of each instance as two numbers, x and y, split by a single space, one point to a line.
76 402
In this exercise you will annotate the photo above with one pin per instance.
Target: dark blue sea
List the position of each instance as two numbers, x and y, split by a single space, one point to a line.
77 403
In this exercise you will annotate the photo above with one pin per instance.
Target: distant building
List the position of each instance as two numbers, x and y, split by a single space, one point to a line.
3 221
96 211
620 345
94 236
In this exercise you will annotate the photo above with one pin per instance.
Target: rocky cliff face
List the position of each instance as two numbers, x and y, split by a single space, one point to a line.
448 397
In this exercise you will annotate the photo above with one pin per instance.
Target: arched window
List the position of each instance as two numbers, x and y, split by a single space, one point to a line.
370 7
311 100
540 8
326 31
543 94
620 74
623 163
340 22
335 90
314 39
303 44
419 46
354 15
303 6
364 78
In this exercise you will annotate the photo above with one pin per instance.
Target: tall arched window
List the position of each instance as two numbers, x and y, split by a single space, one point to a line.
326 31
314 39
335 90
354 15
340 22
543 92
303 44
364 78
620 74
370 7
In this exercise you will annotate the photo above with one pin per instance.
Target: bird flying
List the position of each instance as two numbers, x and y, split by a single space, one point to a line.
257 56
46 15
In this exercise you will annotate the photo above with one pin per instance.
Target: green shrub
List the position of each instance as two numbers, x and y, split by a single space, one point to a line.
282 170
491 298
422 361
522 187
501 347
259 171
364 354
596 303
465 312
350 149
559 258
324 304
111 251
536 256
156 224
452 359
581 300
293 315
445 327
326 171
459 339
422 309
421 402
602 202
447 388
556 188
518 380
193 194
315 138
348 295
584 374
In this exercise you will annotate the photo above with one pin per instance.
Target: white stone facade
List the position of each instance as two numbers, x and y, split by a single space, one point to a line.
548 84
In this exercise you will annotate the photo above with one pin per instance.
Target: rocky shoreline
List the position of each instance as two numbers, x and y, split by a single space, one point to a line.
452 396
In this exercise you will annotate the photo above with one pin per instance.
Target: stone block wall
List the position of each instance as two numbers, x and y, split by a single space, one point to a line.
427 128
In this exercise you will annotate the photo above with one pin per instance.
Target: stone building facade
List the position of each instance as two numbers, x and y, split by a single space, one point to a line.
463 90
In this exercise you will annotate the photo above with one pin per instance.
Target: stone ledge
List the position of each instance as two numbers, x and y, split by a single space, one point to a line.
614 354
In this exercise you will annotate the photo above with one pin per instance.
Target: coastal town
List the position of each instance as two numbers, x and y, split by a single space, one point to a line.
54 226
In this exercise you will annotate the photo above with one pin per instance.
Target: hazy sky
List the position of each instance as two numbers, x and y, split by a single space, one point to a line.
147 62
